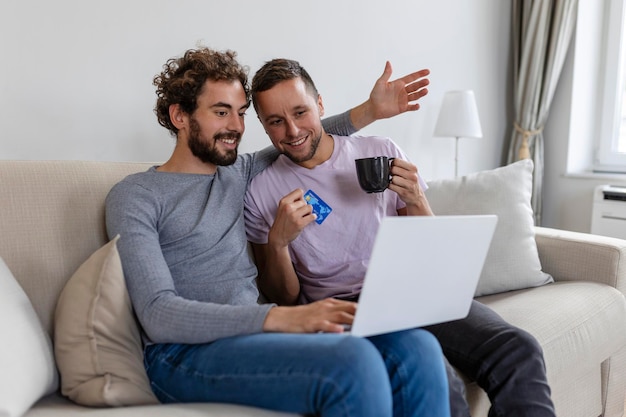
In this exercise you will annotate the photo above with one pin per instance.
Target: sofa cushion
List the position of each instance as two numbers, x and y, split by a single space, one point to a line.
97 340
57 406
26 359
573 321
512 261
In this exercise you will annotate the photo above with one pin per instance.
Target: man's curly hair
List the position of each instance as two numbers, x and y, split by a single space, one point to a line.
182 79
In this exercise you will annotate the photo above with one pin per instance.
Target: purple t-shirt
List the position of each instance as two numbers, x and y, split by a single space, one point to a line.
330 258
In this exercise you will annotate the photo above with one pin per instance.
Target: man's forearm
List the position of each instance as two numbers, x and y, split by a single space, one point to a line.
278 280
351 121
362 115
340 124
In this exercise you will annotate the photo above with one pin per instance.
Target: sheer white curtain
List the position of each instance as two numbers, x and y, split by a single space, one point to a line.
542 30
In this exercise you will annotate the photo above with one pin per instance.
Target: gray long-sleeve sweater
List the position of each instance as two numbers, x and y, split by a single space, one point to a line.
184 250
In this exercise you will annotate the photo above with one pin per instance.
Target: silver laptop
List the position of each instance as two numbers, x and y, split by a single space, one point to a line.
423 270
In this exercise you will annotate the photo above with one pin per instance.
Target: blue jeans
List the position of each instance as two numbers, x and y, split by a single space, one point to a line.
399 374
504 360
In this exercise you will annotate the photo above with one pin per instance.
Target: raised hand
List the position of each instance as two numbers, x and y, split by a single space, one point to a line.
390 98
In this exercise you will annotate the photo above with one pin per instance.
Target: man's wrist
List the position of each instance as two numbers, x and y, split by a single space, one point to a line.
362 115
272 320
277 319
275 245
419 209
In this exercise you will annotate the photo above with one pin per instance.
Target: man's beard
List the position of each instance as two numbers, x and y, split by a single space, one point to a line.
315 142
208 152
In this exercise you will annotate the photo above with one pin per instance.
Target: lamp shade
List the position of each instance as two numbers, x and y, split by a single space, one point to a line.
458 116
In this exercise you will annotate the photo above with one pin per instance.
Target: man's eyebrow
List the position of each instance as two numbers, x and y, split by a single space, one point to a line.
298 107
229 106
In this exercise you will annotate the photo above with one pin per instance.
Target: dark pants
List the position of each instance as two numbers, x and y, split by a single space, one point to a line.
504 360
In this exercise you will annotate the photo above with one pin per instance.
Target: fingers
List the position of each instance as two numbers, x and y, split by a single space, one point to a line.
414 85
404 169
413 82
292 216
293 196
333 314
405 182
405 178
333 304
390 98
294 211
416 90
328 315
386 73
294 204
414 76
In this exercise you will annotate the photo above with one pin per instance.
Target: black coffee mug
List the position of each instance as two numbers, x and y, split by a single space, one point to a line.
374 173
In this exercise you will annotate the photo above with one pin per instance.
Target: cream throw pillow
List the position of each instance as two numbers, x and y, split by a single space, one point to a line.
27 370
512 261
97 340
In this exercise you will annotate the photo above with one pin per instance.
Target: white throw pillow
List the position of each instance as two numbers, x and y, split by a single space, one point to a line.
512 261
97 339
27 370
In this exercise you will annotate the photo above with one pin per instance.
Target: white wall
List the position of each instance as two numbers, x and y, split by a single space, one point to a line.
75 78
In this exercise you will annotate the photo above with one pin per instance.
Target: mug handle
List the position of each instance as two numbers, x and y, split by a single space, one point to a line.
390 160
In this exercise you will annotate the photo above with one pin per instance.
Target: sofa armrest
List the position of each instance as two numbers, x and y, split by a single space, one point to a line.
575 256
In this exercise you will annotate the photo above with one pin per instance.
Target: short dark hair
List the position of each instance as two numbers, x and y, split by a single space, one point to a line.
182 80
277 70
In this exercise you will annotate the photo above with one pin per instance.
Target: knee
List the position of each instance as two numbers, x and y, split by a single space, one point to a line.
425 351
525 344
358 358
428 343
359 372
527 341
417 343
416 349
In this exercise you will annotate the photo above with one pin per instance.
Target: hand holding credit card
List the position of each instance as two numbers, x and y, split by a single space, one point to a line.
320 208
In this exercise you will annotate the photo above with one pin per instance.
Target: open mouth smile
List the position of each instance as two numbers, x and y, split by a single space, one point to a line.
297 143
230 141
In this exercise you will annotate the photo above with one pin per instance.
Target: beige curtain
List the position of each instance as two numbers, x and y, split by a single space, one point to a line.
542 30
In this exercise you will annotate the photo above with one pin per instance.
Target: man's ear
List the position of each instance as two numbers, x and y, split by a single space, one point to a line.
320 105
177 116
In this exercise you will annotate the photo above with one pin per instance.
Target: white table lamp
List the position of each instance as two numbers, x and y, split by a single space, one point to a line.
458 117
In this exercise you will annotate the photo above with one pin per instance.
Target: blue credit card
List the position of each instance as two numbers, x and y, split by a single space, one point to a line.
320 208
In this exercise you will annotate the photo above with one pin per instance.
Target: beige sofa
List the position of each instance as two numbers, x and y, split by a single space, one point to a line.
52 219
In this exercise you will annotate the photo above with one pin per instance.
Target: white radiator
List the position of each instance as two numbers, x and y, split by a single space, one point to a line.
608 217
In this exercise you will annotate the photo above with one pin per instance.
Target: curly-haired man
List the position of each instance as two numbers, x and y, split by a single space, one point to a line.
193 284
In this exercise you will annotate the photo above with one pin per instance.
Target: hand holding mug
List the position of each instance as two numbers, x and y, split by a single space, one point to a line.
407 184
375 176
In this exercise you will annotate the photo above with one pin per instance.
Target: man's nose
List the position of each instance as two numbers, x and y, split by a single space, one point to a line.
236 123
292 128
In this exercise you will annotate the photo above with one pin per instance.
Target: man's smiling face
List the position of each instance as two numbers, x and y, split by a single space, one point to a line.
291 116
217 124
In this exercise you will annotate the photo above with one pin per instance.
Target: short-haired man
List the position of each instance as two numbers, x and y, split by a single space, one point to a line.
302 261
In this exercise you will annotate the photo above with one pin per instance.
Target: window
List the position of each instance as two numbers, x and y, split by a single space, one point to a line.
611 147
